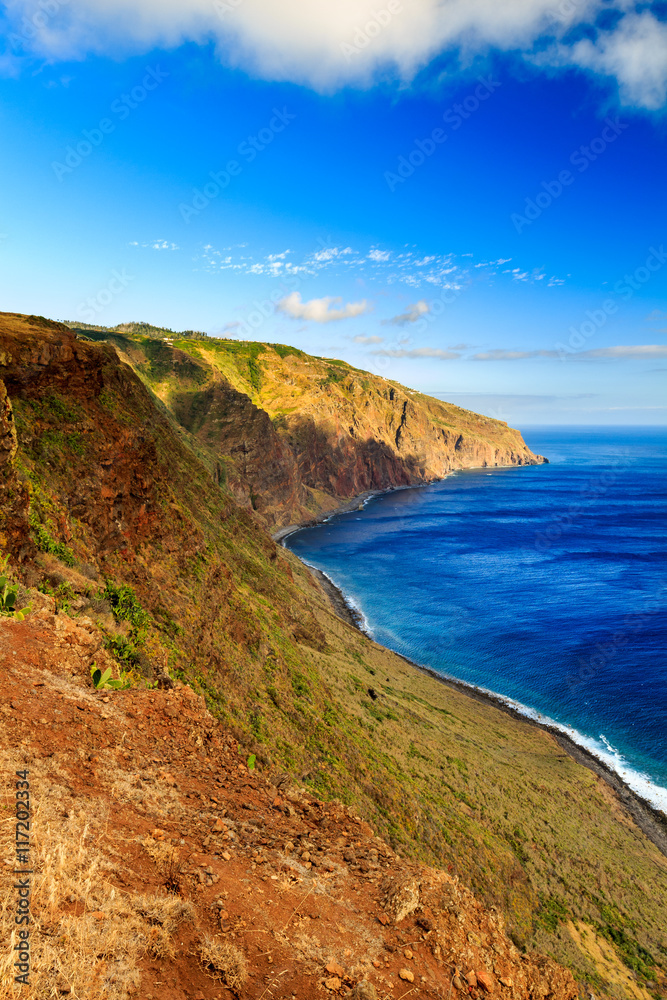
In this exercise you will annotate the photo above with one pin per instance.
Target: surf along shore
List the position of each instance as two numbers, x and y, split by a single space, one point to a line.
652 821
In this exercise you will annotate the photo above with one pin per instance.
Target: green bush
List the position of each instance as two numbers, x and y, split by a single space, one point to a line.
45 541
125 607
123 649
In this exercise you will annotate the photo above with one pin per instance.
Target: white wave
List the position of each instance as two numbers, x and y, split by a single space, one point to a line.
364 624
639 782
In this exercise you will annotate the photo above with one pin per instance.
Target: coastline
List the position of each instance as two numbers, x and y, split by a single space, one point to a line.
651 821
356 503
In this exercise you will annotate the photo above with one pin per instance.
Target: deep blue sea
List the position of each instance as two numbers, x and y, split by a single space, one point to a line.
543 584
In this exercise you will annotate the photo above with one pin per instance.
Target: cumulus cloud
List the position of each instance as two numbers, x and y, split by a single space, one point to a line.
330 43
319 310
419 352
635 53
413 313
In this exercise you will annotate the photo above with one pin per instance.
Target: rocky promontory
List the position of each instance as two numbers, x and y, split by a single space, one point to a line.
295 435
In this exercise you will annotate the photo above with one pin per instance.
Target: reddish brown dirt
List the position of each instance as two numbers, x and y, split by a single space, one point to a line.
312 899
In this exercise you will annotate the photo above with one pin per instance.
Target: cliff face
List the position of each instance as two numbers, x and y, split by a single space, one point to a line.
297 435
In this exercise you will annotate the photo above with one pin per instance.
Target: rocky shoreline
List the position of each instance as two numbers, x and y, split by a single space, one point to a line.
650 820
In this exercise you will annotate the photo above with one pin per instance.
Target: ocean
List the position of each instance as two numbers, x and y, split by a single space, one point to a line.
544 585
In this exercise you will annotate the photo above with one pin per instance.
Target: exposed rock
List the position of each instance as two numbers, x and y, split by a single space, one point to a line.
402 899
485 980
363 991
335 970
8 442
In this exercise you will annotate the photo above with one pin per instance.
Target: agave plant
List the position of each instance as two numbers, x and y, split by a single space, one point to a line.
9 596
104 681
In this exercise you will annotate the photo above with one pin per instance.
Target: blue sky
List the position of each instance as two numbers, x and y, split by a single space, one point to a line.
474 208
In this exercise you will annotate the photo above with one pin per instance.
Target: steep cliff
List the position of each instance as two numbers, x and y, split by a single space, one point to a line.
117 522
297 434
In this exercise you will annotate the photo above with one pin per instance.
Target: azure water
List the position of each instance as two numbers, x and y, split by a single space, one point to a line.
543 584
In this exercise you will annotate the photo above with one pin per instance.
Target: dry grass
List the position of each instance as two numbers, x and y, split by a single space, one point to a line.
86 934
145 791
223 961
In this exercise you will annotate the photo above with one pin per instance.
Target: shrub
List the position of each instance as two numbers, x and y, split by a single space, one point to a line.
224 960
125 607
123 649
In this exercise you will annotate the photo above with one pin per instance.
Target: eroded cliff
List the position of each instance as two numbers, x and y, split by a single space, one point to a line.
295 435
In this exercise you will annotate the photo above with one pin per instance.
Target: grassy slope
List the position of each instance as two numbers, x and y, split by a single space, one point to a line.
333 416
446 778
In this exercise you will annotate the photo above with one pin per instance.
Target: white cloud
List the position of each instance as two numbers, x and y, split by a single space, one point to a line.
319 310
419 352
414 313
491 263
627 351
331 253
657 316
635 53
155 245
636 352
439 271
368 340
500 354
330 43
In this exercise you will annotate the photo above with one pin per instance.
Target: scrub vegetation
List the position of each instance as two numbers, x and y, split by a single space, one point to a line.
137 522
